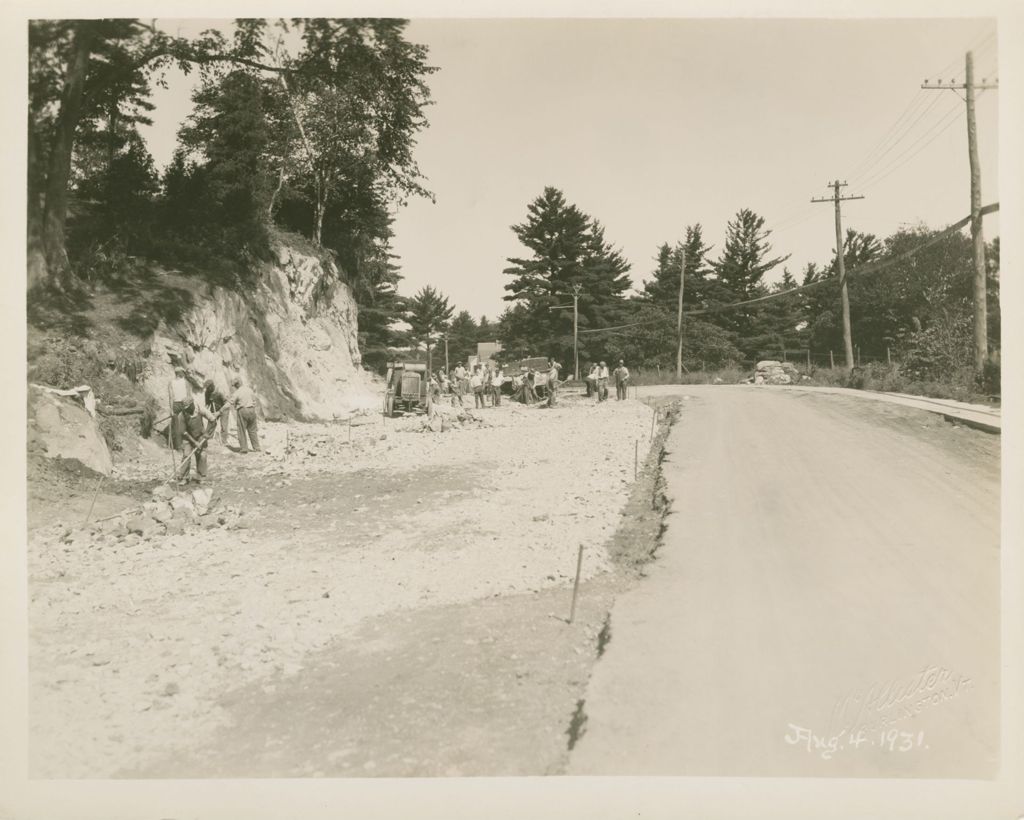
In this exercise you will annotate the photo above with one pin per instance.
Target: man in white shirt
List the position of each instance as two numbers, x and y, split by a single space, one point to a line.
244 402
179 396
553 383
602 382
621 378
497 380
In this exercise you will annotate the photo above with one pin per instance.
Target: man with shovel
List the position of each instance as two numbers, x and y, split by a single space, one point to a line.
194 439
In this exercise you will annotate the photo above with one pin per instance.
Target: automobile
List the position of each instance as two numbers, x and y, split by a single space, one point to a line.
406 387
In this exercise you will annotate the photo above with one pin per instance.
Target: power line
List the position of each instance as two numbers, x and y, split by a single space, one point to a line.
906 132
870 268
864 166
915 102
933 134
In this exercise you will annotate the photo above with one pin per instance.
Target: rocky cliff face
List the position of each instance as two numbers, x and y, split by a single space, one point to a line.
292 338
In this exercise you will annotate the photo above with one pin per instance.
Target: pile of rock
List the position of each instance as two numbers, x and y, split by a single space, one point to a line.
169 513
773 372
444 419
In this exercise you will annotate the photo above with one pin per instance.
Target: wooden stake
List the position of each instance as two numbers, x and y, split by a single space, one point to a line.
576 584
95 495
831 360
654 421
888 357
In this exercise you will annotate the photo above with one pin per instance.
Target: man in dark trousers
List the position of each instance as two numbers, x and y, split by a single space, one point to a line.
179 397
219 407
244 402
195 438
621 380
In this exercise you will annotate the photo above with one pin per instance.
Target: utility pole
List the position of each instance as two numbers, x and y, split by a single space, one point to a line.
679 315
844 292
978 238
446 350
576 290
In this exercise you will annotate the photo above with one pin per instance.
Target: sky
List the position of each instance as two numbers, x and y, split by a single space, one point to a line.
650 125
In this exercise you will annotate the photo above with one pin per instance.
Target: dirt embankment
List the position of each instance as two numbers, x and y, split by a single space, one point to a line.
402 597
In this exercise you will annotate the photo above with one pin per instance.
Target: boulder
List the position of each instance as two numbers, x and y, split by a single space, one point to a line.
60 427
201 500
142 525
770 371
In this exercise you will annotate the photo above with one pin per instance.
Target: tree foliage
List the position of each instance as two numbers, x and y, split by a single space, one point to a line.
428 313
568 250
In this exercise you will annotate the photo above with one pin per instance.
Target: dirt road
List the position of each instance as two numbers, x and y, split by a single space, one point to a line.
825 600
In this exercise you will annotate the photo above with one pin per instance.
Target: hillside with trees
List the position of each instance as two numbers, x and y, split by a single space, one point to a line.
316 140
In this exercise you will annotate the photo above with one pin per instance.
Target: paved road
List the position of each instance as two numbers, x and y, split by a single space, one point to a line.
825 601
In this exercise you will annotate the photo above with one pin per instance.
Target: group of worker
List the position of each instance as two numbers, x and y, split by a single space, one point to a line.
485 382
196 414
597 381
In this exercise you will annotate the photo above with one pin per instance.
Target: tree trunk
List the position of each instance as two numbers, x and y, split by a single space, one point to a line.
36 260
277 191
318 214
58 172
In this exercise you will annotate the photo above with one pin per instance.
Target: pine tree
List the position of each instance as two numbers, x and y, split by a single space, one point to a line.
427 313
663 288
738 274
462 337
568 249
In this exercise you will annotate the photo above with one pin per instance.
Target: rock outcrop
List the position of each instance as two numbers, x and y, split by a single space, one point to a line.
292 337
60 427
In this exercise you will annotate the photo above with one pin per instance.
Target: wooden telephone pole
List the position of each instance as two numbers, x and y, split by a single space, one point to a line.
576 289
844 292
679 316
446 350
980 284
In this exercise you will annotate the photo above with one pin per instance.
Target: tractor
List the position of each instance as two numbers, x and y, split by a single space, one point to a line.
407 388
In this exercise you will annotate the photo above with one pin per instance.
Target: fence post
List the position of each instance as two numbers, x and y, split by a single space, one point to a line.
858 355
888 356
832 360
808 358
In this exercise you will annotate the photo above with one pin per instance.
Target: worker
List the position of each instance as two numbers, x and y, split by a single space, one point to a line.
592 381
621 378
244 402
529 386
497 380
602 382
476 381
195 436
218 405
553 383
461 384
179 396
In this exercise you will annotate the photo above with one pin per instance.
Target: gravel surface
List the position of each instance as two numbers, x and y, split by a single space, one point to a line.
133 641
